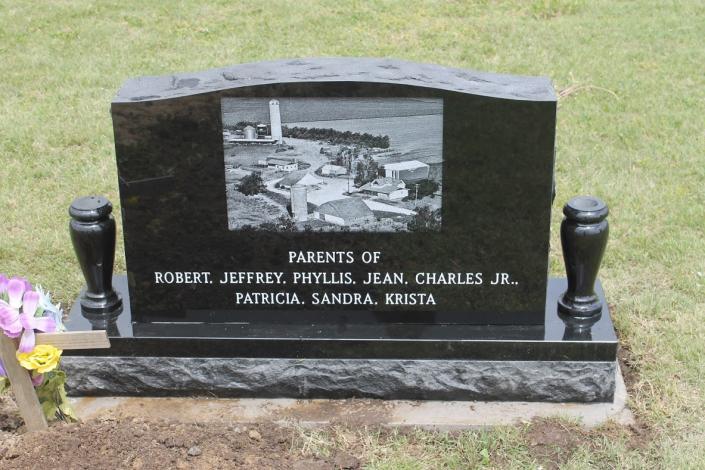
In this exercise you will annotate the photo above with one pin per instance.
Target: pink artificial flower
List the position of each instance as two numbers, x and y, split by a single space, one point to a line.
19 281
27 285
30 322
15 288
10 320
10 312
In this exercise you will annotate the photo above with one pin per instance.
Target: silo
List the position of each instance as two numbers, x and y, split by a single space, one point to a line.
299 203
275 120
250 133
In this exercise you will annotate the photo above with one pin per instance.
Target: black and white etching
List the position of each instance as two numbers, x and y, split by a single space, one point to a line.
332 164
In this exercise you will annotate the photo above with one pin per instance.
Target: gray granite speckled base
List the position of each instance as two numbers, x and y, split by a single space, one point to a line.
550 381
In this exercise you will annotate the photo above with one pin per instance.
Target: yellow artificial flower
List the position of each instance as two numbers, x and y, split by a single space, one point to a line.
43 358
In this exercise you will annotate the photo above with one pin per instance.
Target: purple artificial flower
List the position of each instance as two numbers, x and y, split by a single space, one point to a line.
30 322
10 312
3 283
2 369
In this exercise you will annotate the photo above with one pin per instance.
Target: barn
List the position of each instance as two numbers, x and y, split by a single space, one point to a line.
386 188
410 171
346 212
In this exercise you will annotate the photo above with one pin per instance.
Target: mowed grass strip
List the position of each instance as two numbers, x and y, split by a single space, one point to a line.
630 130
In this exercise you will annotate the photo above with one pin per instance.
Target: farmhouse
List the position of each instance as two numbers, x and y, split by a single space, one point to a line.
386 188
344 212
333 170
410 171
301 178
279 163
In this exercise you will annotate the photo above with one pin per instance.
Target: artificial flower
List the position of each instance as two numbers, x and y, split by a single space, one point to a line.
19 282
23 280
37 379
52 310
15 289
30 323
10 309
43 358
3 284
10 320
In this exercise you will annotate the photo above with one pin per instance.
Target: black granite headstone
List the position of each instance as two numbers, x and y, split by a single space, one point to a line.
356 246
343 210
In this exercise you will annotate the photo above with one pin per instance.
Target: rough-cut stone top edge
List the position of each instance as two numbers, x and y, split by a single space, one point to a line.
337 69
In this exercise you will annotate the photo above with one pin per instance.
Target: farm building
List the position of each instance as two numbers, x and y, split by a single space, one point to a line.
386 188
333 170
301 178
409 171
262 131
250 133
344 212
299 203
262 134
280 164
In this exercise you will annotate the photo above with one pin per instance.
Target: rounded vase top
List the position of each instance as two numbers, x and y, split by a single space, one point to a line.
586 209
90 208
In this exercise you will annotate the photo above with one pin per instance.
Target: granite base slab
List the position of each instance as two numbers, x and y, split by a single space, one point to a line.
317 413
551 381
551 362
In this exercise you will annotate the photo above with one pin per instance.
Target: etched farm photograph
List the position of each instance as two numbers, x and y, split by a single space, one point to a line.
332 164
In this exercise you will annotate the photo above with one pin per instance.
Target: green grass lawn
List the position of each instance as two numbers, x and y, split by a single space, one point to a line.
631 131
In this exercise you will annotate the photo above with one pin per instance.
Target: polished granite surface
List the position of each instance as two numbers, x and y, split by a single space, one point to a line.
497 166
336 69
552 342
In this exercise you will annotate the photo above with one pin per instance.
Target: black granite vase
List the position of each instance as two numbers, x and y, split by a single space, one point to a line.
584 233
93 236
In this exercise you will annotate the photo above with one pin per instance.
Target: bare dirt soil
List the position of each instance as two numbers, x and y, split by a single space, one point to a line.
137 443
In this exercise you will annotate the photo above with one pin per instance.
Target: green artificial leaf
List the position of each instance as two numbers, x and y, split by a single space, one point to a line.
4 385
52 397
